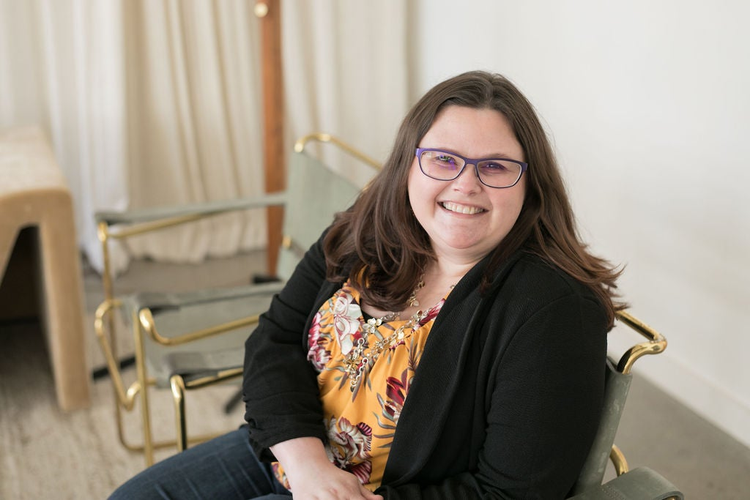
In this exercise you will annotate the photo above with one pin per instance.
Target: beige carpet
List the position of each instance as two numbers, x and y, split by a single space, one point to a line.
48 454
45 453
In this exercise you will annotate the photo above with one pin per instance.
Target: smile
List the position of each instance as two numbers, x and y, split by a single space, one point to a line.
461 209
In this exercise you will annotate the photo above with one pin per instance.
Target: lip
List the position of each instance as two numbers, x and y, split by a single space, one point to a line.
457 208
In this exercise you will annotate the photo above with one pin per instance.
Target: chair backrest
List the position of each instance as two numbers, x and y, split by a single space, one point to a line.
314 195
617 385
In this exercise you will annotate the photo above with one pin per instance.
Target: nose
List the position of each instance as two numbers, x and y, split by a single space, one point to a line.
468 180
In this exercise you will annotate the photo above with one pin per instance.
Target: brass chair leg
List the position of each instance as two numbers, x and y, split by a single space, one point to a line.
178 394
148 446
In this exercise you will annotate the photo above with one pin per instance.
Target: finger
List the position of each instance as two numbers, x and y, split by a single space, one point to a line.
369 495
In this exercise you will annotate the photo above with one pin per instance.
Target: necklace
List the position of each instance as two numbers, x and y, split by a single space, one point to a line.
357 361
411 302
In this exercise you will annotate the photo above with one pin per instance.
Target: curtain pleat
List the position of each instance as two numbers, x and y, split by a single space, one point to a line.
208 93
158 102
346 68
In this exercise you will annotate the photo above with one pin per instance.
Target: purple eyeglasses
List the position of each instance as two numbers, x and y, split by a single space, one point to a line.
492 172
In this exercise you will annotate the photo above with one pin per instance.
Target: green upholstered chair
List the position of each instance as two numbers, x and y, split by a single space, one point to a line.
191 339
638 484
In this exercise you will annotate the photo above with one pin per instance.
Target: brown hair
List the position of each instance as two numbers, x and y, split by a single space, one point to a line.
378 241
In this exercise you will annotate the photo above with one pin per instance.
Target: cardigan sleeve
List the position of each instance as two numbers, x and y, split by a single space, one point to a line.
543 408
280 388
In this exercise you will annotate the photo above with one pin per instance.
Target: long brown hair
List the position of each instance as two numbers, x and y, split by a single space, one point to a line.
379 245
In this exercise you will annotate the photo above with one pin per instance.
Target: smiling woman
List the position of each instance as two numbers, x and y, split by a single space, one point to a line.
462 116
464 218
445 337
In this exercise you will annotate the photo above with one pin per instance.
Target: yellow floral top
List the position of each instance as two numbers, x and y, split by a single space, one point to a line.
365 369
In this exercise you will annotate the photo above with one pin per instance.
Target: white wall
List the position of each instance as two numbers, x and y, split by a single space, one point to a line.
648 103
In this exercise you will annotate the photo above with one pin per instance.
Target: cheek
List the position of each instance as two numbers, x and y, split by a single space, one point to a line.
509 205
517 196
412 186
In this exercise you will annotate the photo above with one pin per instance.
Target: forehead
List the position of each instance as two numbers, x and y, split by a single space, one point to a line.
472 132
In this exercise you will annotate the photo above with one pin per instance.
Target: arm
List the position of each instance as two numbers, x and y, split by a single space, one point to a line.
280 388
542 411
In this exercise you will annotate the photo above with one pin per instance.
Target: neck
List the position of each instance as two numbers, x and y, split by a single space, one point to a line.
444 269
439 278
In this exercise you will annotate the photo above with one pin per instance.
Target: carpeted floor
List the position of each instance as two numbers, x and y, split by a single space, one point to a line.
47 454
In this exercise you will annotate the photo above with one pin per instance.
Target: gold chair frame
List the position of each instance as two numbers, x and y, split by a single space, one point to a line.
656 343
143 321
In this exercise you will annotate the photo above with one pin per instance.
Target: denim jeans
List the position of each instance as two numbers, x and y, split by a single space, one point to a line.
224 468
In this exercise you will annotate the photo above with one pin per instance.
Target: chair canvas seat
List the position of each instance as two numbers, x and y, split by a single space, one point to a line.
177 313
314 194
617 387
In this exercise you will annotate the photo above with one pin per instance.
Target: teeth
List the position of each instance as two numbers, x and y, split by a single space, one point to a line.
461 209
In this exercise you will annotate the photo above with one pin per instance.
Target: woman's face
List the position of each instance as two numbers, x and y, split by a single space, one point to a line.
464 218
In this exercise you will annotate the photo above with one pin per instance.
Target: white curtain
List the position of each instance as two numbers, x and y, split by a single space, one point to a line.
195 128
152 102
61 67
346 73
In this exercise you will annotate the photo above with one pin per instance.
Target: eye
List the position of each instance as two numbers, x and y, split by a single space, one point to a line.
445 159
494 166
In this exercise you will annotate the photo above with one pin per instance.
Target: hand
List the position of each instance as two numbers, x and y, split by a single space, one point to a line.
328 482
313 477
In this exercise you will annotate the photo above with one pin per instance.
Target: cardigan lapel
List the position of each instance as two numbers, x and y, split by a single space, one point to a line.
438 375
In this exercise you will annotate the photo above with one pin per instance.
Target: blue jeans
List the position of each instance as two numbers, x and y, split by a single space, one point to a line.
224 468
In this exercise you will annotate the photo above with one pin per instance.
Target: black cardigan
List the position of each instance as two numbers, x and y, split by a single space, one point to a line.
505 402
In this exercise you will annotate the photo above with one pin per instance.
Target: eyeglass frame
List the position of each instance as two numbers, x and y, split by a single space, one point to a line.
470 161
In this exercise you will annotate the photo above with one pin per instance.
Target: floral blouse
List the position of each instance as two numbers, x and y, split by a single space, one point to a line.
365 369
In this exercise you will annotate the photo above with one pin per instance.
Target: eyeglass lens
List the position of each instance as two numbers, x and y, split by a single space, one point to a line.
445 167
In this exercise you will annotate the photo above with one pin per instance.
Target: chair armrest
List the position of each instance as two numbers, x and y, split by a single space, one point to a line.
223 316
194 209
158 302
193 366
638 484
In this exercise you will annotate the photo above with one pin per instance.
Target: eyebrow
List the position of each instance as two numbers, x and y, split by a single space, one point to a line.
493 156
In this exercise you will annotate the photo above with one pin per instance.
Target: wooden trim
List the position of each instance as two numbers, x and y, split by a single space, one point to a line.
273 118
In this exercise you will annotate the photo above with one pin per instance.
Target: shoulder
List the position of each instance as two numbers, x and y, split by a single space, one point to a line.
534 278
528 285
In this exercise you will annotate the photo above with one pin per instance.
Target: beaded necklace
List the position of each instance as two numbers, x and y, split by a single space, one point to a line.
356 360
411 302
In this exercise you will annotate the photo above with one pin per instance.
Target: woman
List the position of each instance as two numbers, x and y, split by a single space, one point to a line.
445 338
